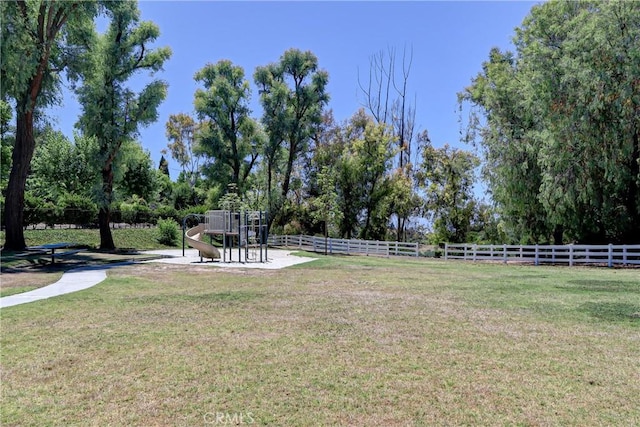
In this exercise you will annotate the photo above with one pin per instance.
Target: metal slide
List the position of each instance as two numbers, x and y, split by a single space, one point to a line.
193 239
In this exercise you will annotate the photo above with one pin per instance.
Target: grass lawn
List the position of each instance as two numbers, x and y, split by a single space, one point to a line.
338 341
140 238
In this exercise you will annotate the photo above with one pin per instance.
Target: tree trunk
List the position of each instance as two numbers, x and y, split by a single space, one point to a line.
14 205
106 239
558 233
270 202
287 175
104 216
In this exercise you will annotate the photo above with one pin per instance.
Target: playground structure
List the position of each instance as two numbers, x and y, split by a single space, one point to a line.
193 239
243 233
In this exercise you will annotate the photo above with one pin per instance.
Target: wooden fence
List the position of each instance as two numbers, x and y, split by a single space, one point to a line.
345 246
609 255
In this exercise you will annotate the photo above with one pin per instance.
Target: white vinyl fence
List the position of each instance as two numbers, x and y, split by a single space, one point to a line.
345 246
609 255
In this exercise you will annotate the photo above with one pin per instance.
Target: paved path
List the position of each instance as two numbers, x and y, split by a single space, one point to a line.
86 277
71 281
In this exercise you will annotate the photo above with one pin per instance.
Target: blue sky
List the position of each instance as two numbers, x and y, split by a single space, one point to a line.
450 40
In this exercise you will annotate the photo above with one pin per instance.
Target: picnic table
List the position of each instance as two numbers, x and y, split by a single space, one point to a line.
50 249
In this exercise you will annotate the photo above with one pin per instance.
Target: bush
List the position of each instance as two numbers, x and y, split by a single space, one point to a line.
78 210
135 211
168 232
166 212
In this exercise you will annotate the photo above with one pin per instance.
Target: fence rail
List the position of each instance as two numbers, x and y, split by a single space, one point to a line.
554 254
345 246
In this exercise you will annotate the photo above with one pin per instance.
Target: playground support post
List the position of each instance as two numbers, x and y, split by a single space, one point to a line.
184 226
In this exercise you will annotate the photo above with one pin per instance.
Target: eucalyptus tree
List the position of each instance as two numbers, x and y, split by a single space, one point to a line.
387 100
230 138
351 164
111 112
565 116
446 176
139 178
370 153
584 60
39 39
61 166
182 130
504 125
293 95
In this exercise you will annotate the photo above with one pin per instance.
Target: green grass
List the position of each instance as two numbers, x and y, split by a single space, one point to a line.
5 292
338 341
139 238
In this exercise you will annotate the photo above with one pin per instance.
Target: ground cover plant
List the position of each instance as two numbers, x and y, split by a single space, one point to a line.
339 341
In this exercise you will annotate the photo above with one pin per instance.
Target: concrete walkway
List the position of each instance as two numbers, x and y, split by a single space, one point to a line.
71 281
86 277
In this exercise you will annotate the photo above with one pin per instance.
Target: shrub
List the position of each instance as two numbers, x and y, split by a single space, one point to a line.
166 212
292 228
78 210
168 232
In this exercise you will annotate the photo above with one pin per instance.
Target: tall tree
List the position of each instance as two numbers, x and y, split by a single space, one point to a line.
111 112
138 176
292 94
568 109
358 155
39 38
230 137
447 177
370 149
504 125
163 166
60 166
181 130
386 98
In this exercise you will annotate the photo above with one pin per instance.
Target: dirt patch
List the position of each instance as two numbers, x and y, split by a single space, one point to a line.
18 278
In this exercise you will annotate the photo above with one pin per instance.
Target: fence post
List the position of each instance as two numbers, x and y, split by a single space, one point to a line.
570 255
417 249
537 255
624 254
504 252
610 255
475 251
446 251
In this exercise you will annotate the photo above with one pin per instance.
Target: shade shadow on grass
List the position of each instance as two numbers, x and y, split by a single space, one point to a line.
593 285
613 311
229 297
